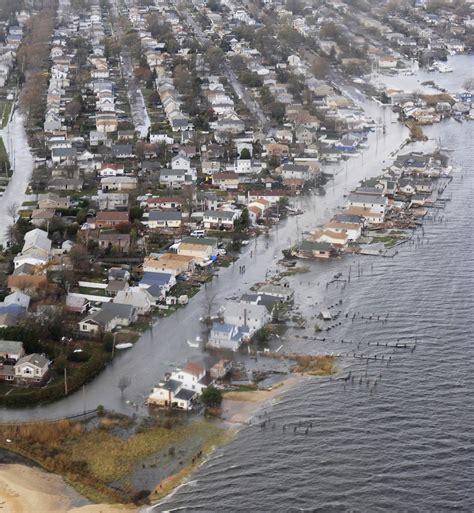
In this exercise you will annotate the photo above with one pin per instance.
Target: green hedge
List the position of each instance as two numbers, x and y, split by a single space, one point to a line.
76 378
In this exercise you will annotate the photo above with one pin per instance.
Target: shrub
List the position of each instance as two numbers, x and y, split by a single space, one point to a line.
211 397
141 497
82 356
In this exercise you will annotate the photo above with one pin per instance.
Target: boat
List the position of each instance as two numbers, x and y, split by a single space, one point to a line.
442 68
196 342
124 345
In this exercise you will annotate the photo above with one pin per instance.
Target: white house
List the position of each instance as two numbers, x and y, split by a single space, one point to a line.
31 369
191 376
182 388
109 317
374 203
36 249
164 219
137 297
220 219
227 336
181 162
252 317
243 166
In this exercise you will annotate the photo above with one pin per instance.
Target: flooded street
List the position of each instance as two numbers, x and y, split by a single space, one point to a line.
394 435
21 161
166 345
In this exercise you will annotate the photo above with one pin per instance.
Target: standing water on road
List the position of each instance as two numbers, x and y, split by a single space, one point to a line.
396 437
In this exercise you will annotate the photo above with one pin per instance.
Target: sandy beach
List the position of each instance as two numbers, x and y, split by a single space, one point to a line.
240 407
25 489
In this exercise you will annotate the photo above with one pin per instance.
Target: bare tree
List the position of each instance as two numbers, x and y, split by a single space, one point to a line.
468 84
12 211
208 305
123 383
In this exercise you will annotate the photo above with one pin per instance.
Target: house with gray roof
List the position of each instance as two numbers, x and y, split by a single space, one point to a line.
227 336
108 318
249 316
32 369
11 350
164 219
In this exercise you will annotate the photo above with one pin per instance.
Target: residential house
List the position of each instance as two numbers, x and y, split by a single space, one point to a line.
105 122
109 317
65 184
27 283
36 249
158 284
175 178
226 181
53 201
181 162
32 369
192 376
353 230
220 369
220 219
112 200
227 336
164 219
111 170
365 213
313 249
41 217
201 249
168 263
123 151
337 239
182 388
273 196
164 202
97 137
11 350
117 241
376 204
118 183
137 297
111 219
251 317
64 156
277 291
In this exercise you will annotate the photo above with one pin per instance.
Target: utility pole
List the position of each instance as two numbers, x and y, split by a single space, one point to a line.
84 399
65 381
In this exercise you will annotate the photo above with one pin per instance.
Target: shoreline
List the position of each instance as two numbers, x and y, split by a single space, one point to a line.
241 407
24 489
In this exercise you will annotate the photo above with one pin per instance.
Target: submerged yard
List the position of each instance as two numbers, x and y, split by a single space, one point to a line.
117 459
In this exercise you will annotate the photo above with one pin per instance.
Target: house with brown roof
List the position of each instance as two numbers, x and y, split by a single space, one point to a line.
27 283
226 181
168 263
118 241
277 150
110 219
337 239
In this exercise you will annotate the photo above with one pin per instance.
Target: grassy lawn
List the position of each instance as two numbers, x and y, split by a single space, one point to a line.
3 156
100 461
5 110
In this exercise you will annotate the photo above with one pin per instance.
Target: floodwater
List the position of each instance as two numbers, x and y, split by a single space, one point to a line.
21 160
164 347
398 436
402 444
